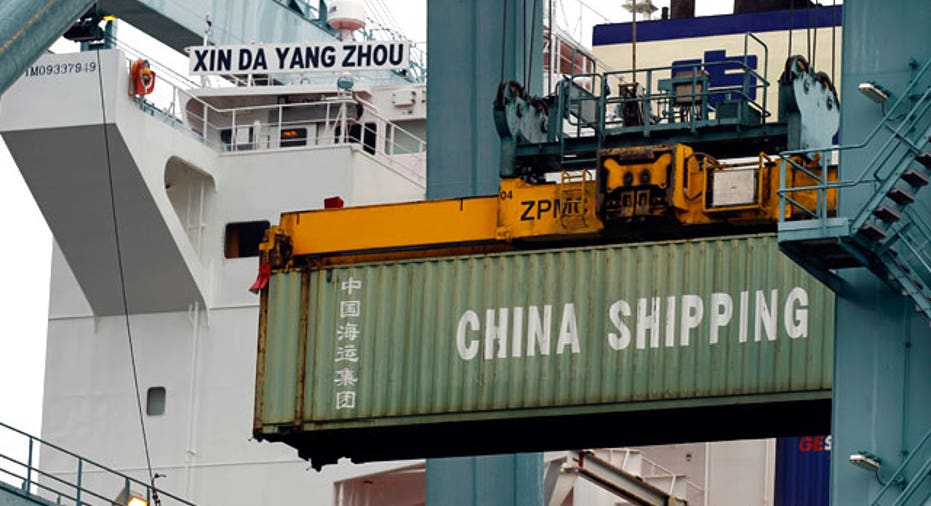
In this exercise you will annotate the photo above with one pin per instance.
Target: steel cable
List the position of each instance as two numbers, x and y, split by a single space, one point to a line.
504 26
119 261
529 51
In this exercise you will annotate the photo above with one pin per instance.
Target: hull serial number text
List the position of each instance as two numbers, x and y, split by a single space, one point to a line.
58 69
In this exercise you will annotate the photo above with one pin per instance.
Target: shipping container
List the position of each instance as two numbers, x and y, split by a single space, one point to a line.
803 471
677 341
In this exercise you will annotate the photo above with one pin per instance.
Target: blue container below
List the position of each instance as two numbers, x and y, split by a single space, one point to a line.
803 471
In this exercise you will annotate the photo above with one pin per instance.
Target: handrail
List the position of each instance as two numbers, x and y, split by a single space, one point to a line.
57 492
897 133
663 108
161 69
395 147
654 466
29 481
898 476
747 37
662 101
881 156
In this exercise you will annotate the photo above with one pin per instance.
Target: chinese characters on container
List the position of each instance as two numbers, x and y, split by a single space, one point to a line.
347 350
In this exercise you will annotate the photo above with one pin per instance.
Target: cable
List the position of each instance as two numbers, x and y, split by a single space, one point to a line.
550 42
881 482
382 14
833 38
523 38
814 43
390 16
565 17
119 262
808 29
633 41
377 15
504 27
533 36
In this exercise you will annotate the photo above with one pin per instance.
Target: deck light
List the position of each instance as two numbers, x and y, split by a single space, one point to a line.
137 501
866 461
873 92
130 498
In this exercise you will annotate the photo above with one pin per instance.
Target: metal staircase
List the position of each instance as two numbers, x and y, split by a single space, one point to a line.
890 233
76 481
908 479
620 479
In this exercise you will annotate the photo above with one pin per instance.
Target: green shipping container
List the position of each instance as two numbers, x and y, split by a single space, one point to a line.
647 343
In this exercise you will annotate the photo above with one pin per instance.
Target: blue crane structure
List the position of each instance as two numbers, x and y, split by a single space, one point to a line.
875 251
875 254
468 62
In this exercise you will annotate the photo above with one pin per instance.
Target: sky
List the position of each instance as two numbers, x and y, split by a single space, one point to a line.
26 259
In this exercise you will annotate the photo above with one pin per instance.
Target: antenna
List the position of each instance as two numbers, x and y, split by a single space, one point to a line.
640 7
644 7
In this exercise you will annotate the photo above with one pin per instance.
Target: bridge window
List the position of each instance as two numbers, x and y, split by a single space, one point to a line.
242 239
155 401
293 137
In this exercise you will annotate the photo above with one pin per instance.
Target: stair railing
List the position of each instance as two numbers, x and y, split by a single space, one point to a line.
898 477
823 185
57 488
878 163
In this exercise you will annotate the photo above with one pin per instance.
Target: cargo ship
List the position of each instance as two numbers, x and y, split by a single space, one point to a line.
200 172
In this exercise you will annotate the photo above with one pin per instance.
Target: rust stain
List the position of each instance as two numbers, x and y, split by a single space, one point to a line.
260 364
302 349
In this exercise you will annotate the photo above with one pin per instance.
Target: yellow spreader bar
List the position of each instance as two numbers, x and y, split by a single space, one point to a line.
392 227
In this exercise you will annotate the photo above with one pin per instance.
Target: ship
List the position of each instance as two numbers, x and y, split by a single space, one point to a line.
157 226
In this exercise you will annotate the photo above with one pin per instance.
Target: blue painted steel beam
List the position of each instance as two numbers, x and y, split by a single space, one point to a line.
28 28
498 480
474 46
723 141
182 24
882 347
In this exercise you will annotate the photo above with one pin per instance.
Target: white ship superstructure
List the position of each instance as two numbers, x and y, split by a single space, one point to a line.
195 181
188 181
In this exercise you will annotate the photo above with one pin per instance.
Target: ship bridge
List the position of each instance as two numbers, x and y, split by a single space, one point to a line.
105 164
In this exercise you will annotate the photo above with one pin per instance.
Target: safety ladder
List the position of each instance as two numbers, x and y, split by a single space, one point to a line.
573 198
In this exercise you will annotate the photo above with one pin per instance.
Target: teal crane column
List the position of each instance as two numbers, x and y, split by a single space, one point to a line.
882 378
28 28
497 480
473 46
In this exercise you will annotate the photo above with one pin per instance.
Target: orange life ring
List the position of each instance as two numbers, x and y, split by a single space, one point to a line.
143 78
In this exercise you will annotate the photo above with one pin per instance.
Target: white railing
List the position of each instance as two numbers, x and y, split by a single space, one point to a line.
333 120
78 482
372 77
651 469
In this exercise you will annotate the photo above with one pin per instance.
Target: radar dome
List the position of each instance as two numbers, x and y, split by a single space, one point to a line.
346 15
